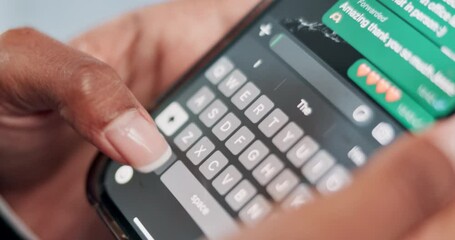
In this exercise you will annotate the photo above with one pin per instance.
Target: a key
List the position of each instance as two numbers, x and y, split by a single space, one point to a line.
200 151
171 119
232 83
256 210
337 178
273 122
302 151
188 137
268 169
226 126
240 140
253 155
301 195
287 137
227 180
213 165
240 195
200 100
213 113
282 185
219 70
318 166
259 109
245 96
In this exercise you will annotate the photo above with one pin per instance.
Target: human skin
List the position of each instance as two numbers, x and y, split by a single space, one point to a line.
406 192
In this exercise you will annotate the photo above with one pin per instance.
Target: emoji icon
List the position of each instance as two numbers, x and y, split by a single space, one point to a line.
383 86
336 17
363 70
393 94
373 78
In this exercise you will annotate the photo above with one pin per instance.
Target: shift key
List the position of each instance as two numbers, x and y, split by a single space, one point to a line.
209 215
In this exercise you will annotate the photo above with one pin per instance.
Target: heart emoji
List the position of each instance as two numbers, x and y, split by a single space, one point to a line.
363 70
373 78
393 94
383 86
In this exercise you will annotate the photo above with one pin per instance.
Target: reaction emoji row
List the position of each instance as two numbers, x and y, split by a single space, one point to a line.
383 85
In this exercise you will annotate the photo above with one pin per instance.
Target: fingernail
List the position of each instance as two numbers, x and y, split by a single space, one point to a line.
138 141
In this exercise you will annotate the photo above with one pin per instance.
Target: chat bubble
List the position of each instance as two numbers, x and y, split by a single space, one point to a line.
433 18
412 61
398 103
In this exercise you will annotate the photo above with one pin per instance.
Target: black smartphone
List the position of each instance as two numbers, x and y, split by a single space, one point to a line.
284 108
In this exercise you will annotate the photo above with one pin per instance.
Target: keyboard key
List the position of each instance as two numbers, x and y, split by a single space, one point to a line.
268 169
226 126
335 180
256 210
213 165
232 83
200 100
274 122
287 137
240 140
253 155
171 119
303 151
240 195
358 156
245 96
259 109
200 151
188 137
219 70
227 180
282 185
384 133
300 196
198 202
213 113
318 166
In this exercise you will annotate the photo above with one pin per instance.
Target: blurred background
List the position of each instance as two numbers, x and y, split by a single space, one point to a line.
63 19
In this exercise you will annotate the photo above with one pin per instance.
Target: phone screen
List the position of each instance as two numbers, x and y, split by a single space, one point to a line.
295 103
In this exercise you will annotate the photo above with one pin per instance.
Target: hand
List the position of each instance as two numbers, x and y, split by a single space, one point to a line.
45 87
45 84
407 192
53 215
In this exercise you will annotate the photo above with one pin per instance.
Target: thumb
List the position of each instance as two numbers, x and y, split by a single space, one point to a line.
38 74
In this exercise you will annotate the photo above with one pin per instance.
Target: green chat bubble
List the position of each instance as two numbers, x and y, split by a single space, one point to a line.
377 85
410 59
434 18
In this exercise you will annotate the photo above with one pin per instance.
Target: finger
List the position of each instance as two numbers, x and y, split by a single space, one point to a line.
38 74
404 185
440 226
154 49
178 50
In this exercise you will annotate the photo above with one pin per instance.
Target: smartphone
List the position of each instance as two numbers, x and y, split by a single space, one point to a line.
294 99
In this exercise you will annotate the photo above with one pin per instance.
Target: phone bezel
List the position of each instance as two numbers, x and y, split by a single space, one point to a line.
95 189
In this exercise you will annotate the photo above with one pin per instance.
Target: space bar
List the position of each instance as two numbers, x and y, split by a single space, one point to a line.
208 214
